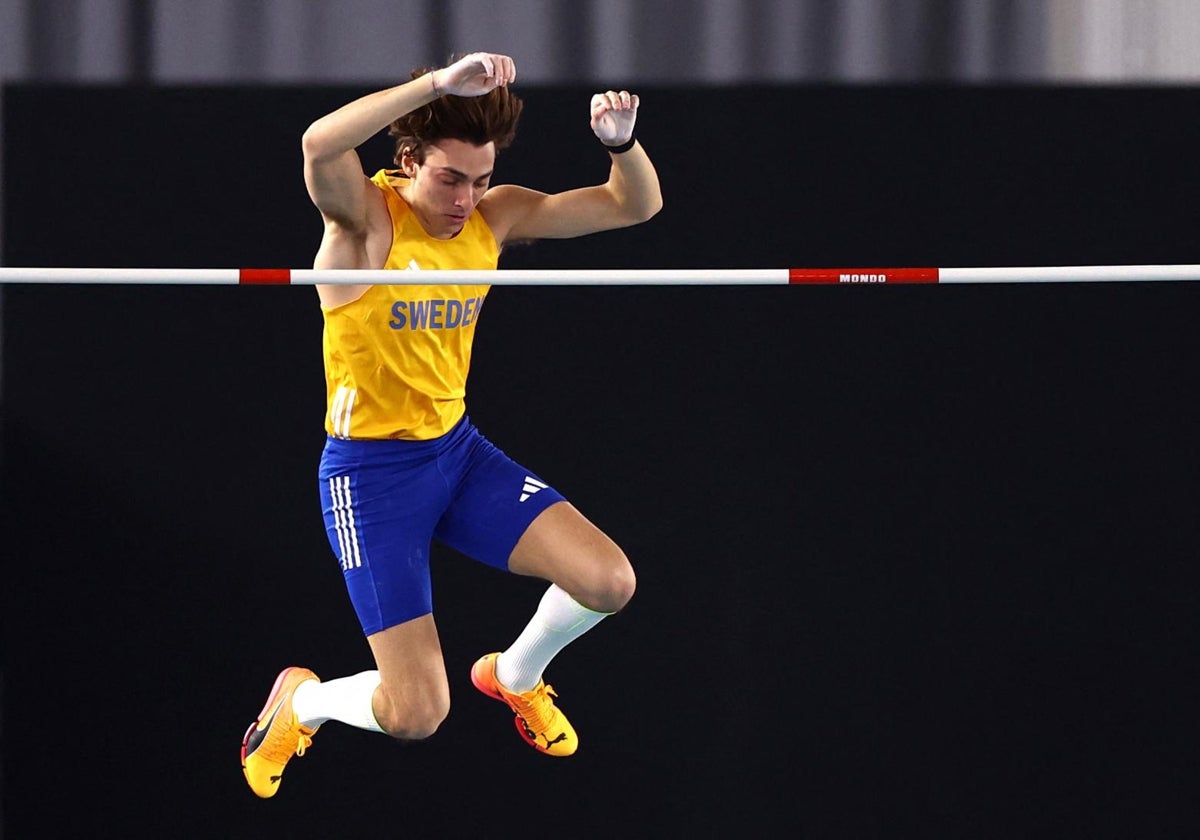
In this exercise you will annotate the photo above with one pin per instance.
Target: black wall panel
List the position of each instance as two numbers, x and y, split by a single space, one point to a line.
913 561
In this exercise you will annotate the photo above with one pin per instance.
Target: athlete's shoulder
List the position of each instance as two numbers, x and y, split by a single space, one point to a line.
503 204
502 194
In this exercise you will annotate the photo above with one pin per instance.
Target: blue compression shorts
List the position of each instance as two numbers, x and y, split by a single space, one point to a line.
386 501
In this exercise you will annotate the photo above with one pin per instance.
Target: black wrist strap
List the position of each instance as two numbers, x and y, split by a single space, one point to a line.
624 147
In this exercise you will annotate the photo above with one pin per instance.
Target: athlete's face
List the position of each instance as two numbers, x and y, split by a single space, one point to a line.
448 185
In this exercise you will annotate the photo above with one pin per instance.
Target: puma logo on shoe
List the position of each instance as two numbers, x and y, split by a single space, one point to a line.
562 736
534 736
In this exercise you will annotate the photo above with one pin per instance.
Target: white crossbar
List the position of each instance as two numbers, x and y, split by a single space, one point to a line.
599 277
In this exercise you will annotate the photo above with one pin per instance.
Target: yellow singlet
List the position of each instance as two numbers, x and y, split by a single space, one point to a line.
396 359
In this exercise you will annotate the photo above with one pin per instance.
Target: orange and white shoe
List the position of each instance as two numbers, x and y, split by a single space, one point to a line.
542 724
276 736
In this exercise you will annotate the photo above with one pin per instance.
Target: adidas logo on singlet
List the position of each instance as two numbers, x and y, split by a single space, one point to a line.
412 266
532 485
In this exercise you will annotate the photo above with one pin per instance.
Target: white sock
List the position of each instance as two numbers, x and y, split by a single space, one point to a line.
558 621
347 699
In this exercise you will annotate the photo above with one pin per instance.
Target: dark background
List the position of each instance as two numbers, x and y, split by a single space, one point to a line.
913 561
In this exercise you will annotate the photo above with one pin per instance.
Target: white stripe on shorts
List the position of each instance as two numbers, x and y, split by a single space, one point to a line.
343 520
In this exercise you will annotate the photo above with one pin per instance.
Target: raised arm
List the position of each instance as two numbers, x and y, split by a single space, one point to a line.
631 194
333 172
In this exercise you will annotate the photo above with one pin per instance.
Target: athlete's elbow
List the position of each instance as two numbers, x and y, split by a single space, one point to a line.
310 143
315 143
646 210
655 205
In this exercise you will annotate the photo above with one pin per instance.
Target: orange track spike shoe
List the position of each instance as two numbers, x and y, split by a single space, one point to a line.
276 736
543 726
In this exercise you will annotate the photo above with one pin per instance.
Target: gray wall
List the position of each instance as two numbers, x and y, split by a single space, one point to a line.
647 41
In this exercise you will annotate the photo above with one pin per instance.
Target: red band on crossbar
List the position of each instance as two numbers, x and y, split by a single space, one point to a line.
864 276
265 276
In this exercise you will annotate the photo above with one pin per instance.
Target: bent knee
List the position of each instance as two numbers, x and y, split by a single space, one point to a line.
612 588
412 719
623 585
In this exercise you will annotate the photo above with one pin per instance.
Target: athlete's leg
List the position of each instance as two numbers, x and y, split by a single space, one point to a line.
405 696
381 500
506 516
562 546
590 578
413 695
585 567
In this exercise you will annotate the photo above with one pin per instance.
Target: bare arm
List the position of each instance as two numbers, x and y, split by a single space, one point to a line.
631 194
332 171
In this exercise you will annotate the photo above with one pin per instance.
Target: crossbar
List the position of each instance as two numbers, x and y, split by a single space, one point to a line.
599 277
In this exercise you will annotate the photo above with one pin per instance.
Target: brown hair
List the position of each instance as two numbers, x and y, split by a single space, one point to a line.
479 120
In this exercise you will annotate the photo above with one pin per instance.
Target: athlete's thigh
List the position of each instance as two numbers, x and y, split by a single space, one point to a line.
494 502
380 512
564 546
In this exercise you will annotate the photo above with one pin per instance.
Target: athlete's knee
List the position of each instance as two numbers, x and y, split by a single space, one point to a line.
622 585
414 716
613 583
